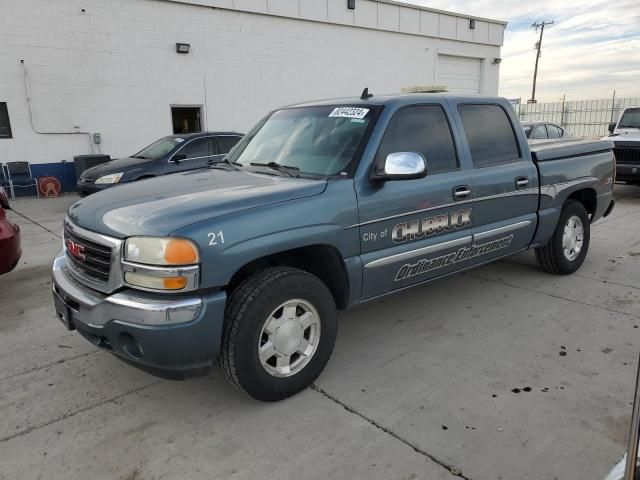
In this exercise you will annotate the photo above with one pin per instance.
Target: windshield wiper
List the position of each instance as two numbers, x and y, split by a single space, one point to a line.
140 156
289 170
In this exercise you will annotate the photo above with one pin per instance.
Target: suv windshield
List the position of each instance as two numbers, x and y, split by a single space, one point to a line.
319 140
160 148
630 118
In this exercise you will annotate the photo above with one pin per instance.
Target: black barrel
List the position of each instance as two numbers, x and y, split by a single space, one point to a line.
83 162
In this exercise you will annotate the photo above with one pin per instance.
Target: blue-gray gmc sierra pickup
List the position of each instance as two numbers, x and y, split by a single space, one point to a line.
322 206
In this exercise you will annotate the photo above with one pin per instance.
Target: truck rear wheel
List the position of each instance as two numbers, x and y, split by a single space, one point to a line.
567 249
280 329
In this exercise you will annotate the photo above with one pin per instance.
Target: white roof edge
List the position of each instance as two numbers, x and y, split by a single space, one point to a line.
444 12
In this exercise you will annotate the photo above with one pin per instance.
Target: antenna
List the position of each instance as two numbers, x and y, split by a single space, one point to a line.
365 94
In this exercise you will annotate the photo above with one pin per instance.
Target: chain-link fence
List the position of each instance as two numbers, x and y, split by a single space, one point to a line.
582 118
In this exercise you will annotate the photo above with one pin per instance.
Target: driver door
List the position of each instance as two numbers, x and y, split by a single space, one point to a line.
414 230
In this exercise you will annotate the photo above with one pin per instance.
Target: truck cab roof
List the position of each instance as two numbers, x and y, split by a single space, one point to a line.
401 99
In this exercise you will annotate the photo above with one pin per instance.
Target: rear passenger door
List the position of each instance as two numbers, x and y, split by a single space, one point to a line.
412 230
504 181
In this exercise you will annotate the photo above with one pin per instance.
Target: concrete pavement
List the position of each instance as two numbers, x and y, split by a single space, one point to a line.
501 373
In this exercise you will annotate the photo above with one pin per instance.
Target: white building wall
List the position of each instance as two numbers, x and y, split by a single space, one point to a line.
113 69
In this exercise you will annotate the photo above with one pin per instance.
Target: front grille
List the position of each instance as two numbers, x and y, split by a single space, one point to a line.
96 264
627 155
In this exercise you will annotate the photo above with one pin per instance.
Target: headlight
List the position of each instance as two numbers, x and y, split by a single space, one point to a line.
161 251
111 178
161 263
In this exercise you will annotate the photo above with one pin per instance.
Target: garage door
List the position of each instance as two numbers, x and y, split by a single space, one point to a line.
459 74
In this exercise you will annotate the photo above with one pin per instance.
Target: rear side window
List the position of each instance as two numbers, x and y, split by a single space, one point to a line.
539 132
227 142
490 135
423 129
201 147
554 132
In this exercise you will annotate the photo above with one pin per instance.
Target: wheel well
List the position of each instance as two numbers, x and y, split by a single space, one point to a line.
587 197
323 261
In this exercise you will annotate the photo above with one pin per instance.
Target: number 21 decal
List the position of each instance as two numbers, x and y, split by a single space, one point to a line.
215 238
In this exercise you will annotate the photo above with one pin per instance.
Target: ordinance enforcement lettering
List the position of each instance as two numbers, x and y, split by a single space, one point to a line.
430 225
410 270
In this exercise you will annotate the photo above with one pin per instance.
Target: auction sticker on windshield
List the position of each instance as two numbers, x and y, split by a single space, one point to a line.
349 112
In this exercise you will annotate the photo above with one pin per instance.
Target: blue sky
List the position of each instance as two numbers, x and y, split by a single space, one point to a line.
593 48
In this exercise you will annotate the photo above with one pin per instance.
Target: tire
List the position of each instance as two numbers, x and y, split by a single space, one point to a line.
279 299
553 258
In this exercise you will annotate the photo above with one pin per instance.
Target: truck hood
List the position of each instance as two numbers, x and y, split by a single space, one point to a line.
161 205
114 166
626 135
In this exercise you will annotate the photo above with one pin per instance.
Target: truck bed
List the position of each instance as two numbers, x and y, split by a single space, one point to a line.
566 165
567 148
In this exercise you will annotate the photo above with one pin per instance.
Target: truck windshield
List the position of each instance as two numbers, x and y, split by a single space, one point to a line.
630 118
321 140
159 149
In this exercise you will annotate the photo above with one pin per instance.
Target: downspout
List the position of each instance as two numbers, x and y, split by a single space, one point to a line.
33 127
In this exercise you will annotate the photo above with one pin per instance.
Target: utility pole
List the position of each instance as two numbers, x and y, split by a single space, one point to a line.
541 26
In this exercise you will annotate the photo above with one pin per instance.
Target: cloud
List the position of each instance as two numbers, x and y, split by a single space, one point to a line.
592 49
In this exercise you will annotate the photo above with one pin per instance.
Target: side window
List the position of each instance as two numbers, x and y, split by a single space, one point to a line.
423 129
202 147
554 132
539 132
227 142
5 126
490 135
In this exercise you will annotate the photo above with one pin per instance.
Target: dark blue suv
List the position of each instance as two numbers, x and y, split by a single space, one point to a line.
175 153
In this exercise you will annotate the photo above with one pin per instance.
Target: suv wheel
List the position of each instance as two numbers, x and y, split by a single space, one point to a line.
567 249
280 329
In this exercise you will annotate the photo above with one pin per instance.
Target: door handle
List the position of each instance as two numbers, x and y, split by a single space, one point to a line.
522 182
461 191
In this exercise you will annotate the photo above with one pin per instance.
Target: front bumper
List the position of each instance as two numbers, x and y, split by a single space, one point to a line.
87 188
134 325
628 172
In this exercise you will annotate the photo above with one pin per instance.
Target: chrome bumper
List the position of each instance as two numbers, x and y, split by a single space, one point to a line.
138 309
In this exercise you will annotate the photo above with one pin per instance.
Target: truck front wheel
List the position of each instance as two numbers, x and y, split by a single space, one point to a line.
567 249
280 329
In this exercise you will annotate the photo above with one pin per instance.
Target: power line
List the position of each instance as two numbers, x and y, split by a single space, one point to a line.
538 25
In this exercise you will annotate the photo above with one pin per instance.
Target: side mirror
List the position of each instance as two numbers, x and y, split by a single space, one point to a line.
402 166
179 156
612 127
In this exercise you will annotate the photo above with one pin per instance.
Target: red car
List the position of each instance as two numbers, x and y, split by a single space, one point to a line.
10 250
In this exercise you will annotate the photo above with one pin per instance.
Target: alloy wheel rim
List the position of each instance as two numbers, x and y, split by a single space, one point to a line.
289 338
573 238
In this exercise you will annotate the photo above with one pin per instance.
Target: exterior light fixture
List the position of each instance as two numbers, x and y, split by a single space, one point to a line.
497 61
472 24
351 4
183 47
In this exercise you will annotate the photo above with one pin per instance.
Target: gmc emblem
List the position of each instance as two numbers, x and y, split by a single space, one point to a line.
75 250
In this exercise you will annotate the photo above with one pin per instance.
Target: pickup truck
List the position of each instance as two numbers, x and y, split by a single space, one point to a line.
625 134
322 206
